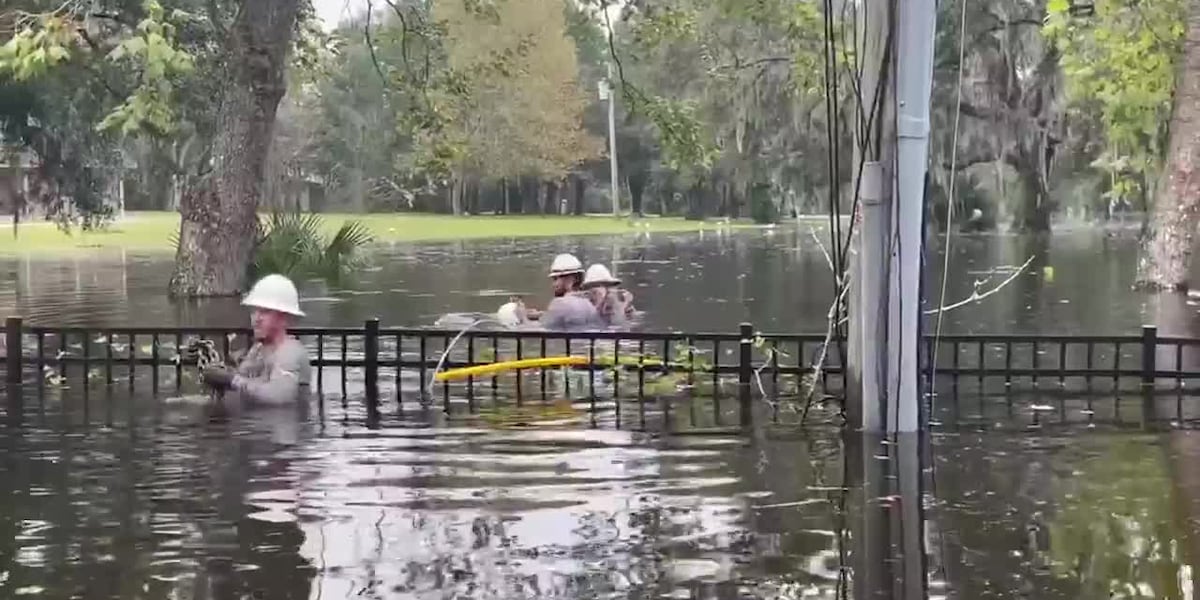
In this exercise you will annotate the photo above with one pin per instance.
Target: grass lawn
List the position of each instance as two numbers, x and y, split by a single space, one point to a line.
152 230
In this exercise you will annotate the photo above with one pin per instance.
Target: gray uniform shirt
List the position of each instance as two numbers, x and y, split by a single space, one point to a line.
572 311
274 374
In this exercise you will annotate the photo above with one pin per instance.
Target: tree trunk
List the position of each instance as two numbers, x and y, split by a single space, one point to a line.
219 218
697 201
530 195
505 209
541 197
456 194
1033 213
553 202
1165 258
637 185
356 188
473 197
579 189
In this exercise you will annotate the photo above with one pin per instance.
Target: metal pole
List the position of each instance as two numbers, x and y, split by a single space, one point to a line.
873 301
914 82
874 151
911 514
371 362
612 143
745 372
888 549
13 350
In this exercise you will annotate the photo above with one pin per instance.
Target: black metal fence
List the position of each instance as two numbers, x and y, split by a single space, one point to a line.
388 366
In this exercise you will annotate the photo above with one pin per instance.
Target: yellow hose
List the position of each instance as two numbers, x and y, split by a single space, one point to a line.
511 365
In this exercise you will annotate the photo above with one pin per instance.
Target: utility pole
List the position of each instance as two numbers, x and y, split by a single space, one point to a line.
609 91
874 149
891 154
914 84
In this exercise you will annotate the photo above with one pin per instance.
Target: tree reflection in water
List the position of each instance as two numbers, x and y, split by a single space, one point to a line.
1113 531
152 511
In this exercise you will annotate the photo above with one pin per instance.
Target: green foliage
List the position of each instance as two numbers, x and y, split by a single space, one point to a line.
667 24
45 41
687 147
292 244
40 43
730 89
153 50
1120 66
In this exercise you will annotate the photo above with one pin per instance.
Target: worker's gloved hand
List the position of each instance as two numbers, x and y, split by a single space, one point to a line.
218 377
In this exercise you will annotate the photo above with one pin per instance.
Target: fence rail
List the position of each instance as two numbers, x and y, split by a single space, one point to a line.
383 365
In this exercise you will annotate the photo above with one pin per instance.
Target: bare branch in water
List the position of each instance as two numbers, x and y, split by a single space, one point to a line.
976 296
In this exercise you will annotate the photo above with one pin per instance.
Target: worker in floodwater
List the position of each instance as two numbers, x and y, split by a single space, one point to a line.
613 304
276 370
570 308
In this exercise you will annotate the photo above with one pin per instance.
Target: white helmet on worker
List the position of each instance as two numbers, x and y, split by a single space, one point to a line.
565 264
599 275
277 293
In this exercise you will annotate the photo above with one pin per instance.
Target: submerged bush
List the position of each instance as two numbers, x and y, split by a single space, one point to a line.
292 244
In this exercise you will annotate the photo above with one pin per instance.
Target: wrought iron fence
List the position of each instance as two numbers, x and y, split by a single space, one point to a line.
390 366
383 366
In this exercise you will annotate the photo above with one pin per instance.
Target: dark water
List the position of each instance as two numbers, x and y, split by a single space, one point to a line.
119 495
777 280
173 506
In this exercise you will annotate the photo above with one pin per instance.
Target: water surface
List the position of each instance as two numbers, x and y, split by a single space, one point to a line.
779 280
107 494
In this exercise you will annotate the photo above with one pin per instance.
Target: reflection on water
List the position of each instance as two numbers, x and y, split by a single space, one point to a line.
776 279
518 502
266 506
106 494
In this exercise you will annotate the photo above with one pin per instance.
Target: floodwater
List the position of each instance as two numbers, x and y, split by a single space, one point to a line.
778 280
108 494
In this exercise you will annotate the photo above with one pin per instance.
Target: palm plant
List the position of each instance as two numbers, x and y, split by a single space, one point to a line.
292 244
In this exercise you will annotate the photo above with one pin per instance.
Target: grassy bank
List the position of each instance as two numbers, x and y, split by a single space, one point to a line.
151 231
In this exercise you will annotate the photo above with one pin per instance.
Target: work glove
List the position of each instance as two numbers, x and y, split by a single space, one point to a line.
220 378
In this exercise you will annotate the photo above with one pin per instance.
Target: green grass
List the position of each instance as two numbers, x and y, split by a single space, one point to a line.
151 231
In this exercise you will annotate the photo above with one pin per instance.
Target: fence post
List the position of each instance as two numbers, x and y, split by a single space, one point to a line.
12 344
1149 355
13 353
745 372
371 363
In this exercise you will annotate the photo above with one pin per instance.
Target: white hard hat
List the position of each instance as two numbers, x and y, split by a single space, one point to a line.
599 275
565 264
275 292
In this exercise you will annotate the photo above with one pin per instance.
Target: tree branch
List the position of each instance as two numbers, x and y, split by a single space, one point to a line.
214 17
1009 24
371 45
977 112
977 296
1007 156
95 46
739 65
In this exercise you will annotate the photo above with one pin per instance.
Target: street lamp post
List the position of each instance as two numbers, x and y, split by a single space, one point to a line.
606 93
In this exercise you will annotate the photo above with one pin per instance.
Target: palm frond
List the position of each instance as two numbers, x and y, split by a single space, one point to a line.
292 244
